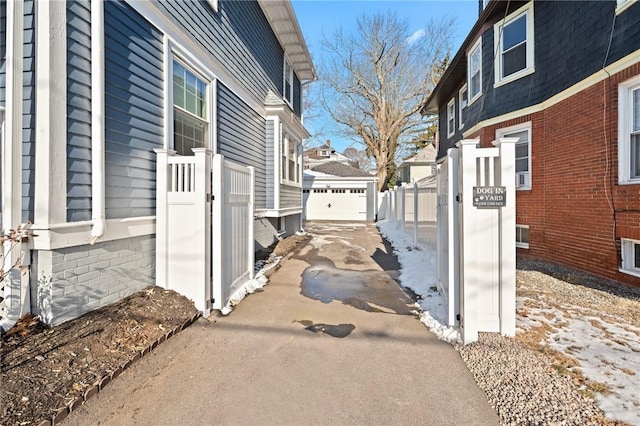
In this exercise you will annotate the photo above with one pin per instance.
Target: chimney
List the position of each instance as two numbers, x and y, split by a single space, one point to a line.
329 143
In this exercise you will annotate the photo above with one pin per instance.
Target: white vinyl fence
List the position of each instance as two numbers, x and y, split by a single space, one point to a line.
204 226
414 207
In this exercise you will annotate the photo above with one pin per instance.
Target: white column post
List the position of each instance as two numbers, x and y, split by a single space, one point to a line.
217 186
162 182
251 251
508 237
469 244
16 294
51 111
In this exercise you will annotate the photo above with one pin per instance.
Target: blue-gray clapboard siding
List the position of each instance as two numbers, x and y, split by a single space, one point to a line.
3 50
29 112
78 110
239 37
571 43
290 196
241 138
133 111
297 95
270 164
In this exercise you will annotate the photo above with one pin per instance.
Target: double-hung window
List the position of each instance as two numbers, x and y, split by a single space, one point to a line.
629 131
287 89
514 45
451 117
291 159
523 152
463 100
630 257
522 236
190 113
474 71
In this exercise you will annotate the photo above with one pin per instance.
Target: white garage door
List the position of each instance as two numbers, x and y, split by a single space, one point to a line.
336 204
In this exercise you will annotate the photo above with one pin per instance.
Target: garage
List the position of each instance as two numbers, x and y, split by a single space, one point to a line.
335 191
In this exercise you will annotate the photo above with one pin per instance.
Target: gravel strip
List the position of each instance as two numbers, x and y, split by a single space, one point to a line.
519 381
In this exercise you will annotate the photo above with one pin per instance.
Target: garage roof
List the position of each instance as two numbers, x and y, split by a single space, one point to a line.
336 168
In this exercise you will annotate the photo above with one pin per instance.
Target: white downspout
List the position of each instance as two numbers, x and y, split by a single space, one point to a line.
97 121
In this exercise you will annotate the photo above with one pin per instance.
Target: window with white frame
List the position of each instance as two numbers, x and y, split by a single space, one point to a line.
291 159
514 45
522 236
629 132
523 152
451 117
287 89
474 71
190 113
630 256
463 100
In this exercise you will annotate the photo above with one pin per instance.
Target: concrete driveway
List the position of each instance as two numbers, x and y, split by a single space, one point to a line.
330 340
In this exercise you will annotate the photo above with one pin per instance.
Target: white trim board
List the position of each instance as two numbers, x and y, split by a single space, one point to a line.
594 78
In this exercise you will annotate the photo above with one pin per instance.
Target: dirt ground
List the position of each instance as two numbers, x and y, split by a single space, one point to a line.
47 372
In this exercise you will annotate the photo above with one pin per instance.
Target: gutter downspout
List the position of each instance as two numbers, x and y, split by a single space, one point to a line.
97 122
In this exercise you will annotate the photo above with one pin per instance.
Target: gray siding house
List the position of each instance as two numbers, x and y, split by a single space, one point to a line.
89 89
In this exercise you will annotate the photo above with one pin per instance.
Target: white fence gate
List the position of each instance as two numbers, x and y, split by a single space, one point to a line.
476 237
204 226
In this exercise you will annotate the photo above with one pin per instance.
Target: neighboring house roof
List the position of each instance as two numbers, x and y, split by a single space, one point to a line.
336 168
285 25
456 72
426 155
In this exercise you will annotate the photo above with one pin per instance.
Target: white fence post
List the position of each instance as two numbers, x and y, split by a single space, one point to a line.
162 168
250 234
508 237
217 185
415 214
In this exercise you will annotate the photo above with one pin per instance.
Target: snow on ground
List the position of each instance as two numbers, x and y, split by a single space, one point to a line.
608 352
418 272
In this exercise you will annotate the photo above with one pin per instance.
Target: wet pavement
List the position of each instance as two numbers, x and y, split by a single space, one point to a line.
332 339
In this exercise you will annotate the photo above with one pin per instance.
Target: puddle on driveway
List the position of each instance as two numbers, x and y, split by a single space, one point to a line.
340 330
371 291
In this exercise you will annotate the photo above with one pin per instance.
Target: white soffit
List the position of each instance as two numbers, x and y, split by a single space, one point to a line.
284 23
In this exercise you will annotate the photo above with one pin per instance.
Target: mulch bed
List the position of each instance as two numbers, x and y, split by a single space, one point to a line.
49 372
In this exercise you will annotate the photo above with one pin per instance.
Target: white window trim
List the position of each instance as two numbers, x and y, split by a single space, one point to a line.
627 253
623 5
205 75
521 244
461 106
500 133
451 108
497 30
287 137
624 131
284 81
476 46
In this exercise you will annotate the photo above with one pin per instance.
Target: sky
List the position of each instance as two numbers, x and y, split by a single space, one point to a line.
318 17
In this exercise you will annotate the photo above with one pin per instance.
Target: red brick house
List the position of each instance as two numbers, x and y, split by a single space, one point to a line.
563 77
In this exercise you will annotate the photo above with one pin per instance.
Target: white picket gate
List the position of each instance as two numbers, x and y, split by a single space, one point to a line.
476 242
204 226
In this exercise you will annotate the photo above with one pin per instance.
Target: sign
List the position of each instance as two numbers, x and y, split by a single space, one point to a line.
489 196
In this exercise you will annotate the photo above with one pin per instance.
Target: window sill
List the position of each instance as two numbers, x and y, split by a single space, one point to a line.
624 6
629 182
514 77
522 246
634 272
523 188
290 183
475 98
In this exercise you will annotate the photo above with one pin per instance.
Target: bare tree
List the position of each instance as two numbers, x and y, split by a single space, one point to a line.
360 157
375 81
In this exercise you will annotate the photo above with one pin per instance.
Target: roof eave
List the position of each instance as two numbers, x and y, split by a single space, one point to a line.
284 23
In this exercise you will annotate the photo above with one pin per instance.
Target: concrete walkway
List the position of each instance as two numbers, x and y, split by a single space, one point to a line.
330 340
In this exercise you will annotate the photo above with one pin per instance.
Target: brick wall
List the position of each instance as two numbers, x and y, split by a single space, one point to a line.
575 209
85 278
